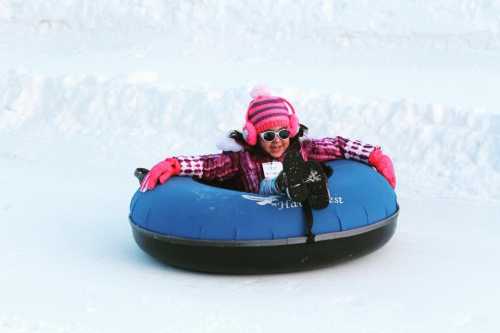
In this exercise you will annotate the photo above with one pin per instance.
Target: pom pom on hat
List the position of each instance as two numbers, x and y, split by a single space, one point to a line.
260 91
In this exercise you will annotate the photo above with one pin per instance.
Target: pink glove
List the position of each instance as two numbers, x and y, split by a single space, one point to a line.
383 164
160 172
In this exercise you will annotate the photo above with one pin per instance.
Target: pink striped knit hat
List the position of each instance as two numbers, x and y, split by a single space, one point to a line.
266 111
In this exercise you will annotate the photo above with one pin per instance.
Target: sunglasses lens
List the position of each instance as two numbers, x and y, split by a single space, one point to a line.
268 136
284 134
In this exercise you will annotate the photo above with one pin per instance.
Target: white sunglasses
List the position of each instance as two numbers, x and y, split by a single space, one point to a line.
270 135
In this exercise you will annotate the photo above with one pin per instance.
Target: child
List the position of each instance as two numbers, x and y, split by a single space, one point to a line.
273 160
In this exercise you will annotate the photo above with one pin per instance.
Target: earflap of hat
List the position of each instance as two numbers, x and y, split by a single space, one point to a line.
293 119
249 131
294 125
250 134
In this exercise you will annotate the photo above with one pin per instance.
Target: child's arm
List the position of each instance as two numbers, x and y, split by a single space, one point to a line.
328 149
209 167
334 148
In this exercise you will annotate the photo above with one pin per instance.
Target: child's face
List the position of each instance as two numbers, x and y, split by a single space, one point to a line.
277 147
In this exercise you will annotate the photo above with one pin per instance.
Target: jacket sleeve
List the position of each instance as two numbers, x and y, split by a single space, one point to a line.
327 149
210 167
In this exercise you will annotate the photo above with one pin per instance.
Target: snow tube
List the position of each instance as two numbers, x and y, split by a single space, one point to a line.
199 227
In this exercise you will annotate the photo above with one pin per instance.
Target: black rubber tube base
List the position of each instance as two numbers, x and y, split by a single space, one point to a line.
263 259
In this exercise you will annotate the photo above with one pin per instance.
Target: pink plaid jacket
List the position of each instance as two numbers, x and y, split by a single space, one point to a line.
245 169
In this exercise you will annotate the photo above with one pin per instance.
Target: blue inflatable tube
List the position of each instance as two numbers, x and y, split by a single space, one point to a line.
192 225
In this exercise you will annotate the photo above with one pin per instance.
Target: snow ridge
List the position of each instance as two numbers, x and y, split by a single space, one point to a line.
437 149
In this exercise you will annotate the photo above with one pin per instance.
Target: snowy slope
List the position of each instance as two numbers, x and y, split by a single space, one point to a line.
89 90
77 269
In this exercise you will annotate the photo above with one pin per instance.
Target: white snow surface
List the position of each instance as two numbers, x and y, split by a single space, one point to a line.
89 90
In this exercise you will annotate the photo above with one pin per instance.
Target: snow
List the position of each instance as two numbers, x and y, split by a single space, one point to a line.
90 90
